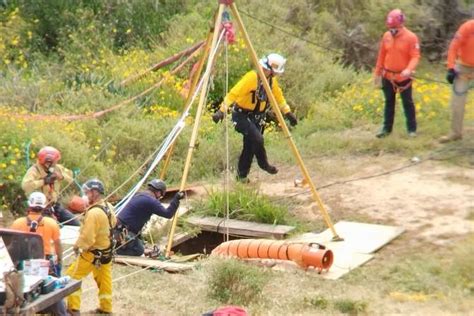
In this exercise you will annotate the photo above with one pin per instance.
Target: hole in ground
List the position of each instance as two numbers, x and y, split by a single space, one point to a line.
204 243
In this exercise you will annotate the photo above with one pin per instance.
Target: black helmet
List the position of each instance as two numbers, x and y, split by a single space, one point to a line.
94 184
157 185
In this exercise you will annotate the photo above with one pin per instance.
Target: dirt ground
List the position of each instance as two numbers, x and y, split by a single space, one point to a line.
432 200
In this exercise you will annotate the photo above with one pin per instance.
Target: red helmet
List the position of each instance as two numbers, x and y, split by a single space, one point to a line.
395 18
48 154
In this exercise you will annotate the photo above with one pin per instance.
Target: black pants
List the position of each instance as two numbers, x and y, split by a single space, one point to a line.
249 126
407 101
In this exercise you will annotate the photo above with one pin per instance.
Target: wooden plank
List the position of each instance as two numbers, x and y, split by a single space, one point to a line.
153 263
240 228
178 239
45 300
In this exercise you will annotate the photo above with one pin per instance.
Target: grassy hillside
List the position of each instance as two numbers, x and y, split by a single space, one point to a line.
69 57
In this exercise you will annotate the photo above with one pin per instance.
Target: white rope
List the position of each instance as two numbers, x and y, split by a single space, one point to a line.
171 137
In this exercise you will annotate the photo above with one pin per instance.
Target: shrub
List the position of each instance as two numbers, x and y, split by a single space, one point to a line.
348 306
233 282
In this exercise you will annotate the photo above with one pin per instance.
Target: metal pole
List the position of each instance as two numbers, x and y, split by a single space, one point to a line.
281 120
202 100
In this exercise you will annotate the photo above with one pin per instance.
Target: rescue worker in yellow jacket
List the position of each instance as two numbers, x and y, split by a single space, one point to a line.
46 176
250 104
94 248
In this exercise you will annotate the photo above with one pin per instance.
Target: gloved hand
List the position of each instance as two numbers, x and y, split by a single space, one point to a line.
218 116
76 250
290 116
50 178
179 195
451 75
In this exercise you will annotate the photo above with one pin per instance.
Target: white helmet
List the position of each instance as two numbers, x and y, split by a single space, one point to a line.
273 62
37 200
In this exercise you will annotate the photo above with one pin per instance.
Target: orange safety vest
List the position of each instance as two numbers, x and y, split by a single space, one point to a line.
397 53
462 46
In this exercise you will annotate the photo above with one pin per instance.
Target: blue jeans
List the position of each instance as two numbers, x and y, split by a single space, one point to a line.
132 247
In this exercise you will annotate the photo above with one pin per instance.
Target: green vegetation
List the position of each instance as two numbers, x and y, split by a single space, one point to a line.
234 282
245 203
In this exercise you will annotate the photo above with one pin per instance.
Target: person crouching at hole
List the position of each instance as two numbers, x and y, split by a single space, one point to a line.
138 212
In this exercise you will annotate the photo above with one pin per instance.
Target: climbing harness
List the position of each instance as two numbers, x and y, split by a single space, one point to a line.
104 256
34 224
397 88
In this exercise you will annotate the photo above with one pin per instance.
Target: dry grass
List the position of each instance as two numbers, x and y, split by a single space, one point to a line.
417 281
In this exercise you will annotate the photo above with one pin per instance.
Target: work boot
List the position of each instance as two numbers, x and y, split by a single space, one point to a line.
99 311
383 133
449 138
240 179
271 169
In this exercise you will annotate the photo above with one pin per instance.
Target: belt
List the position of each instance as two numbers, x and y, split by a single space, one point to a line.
238 109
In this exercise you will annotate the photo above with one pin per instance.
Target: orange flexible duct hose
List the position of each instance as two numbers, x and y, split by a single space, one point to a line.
304 254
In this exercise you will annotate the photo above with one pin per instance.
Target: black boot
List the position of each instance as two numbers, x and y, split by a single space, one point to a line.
271 169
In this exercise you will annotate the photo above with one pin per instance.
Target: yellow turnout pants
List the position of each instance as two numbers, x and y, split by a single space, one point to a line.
102 276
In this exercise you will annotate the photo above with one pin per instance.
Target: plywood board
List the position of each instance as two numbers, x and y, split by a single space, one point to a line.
358 237
240 228
344 262
153 263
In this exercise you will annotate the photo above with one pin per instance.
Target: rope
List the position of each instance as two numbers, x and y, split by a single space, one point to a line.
132 112
431 156
321 47
172 136
226 127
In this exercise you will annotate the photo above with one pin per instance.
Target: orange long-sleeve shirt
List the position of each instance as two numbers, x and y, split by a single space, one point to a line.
462 46
397 53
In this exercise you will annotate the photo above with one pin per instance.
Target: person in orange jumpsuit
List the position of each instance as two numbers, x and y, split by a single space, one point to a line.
460 75
398 57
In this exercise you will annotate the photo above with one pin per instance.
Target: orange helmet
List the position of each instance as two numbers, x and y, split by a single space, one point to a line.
48 154
395 19
77 204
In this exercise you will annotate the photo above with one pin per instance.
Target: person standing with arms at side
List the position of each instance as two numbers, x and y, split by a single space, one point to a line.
94 247
137 213
460 75
46 176
34 222
398 57
250 104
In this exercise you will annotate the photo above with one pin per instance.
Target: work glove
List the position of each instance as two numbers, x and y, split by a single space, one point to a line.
179 195
451 75
50 178
290 116
218 116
